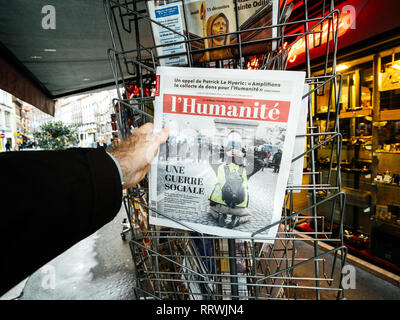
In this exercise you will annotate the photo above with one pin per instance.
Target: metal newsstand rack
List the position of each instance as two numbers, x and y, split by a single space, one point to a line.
177 264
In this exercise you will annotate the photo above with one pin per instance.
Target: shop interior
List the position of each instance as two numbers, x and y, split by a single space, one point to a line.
369 122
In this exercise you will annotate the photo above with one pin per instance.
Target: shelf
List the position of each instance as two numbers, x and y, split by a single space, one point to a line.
324 115
383 151
388 227
346 115
358 137
386 115
376 183
355 114
356 171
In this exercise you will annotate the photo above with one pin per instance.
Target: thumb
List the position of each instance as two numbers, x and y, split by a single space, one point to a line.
154 144
162 136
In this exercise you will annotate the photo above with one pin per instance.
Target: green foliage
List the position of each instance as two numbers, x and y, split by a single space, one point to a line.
56 136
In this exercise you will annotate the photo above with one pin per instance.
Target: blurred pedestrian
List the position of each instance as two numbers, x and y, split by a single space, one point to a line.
277 160
101 144
262 154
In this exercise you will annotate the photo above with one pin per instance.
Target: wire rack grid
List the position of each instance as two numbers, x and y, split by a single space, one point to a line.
186 264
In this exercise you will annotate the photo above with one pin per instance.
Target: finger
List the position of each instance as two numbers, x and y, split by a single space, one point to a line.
157 138
162 136
153 145
146 128
146 170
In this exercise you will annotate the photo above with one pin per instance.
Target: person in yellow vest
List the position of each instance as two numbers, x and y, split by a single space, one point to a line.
230 196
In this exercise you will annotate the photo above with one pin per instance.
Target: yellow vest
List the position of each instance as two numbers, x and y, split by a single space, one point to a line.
216 195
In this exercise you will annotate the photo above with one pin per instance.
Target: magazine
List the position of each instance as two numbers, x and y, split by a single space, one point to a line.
210 176
171 16
207 19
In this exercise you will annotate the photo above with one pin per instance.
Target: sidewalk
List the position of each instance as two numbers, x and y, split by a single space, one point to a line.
367 286
97 268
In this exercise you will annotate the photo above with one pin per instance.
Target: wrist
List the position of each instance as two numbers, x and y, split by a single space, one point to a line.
118 166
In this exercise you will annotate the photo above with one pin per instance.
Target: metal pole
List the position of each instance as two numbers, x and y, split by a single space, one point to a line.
232 254
233 269
314 194
139 58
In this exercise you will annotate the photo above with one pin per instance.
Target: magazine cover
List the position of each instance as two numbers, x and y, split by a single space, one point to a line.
209 21
210 176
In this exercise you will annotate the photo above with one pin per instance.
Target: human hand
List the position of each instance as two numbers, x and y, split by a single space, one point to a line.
135 154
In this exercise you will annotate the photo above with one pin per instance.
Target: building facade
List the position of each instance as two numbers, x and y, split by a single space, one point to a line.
8 127
90 113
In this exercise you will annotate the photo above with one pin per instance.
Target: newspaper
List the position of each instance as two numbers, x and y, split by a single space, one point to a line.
210 176
296 170
215 24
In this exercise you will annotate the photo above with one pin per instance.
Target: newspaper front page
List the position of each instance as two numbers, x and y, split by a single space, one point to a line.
211 175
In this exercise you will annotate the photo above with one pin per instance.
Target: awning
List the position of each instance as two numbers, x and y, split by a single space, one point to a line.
40 65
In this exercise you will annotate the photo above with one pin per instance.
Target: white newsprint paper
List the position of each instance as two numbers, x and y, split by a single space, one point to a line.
211 175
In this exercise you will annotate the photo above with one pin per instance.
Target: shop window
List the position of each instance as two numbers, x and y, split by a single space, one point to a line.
346 93
390 82
390 100
322 124
345 128
363 127
325 97
7 118
366 85
389 136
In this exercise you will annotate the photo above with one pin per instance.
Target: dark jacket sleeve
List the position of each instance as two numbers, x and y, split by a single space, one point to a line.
51 200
